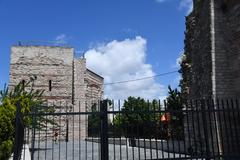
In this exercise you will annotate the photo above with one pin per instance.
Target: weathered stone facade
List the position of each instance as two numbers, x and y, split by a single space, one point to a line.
212 45
64 79
212 48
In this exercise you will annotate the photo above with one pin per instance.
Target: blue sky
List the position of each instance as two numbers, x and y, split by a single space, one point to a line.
154 28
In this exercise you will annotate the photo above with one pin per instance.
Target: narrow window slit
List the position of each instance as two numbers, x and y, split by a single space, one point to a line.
23 82
50 85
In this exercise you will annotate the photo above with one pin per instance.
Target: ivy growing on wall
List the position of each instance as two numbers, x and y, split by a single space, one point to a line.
186 62
185 70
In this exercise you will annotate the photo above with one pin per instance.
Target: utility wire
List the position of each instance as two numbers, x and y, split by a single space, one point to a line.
140 79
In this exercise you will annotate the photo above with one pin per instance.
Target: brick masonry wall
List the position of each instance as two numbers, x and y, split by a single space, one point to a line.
94 88
79 97
212 43
227 42
215 62
232 39
223 56
198 50
68 76
198 47
46 63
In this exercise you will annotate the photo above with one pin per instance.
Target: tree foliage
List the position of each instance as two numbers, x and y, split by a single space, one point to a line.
136 119
94 122
30 101
142 119
174 106
7 119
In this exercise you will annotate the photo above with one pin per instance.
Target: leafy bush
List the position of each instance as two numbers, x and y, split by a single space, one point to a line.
7 118
141 124
29 99
175 106
94 122
136 121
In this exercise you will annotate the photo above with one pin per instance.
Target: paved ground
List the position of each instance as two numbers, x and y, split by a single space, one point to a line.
91 151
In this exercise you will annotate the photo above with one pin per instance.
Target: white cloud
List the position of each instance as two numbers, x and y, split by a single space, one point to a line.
177 61
124 60
160 1
61 39
186 4
183 4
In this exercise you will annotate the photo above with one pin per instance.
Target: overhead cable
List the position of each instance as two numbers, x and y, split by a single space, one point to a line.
140 79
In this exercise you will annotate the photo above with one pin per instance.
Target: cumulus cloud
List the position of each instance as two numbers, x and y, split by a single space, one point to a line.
124 60
61 39
177 61
183 4
186 4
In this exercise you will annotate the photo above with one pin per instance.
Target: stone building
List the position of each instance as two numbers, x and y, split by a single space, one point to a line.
212 61
65 79
213 50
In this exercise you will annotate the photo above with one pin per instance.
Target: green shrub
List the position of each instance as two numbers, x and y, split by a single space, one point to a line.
29 99
7 119
6 149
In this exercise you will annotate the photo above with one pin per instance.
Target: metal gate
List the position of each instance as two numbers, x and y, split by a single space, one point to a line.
203 129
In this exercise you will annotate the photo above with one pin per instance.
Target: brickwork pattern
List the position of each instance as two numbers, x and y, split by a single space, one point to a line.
68 76
212 43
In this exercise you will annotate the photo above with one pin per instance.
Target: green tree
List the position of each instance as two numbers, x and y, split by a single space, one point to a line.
94 119
30 101
94 122
174 106
135 119
7 119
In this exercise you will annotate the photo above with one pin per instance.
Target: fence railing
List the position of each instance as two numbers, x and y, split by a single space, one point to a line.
19 130
201 129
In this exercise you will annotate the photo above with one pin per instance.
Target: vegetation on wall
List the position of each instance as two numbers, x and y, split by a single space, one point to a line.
197 5
186 65
186 59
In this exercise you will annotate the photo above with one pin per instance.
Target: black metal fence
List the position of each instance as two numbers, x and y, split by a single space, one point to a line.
19 130
203 129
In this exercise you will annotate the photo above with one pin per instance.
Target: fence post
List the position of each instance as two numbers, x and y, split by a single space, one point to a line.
19 134
205 127
104 130
33 132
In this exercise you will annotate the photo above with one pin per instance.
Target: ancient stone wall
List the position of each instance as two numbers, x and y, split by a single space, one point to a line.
94 88
212 44
227 67
46 64
224 86
198 74
212 48
231 35
63 79
79 97
198 50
